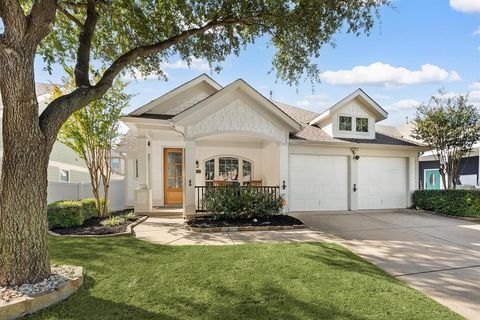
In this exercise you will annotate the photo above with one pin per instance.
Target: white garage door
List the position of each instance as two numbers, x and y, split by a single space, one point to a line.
382 183
318 183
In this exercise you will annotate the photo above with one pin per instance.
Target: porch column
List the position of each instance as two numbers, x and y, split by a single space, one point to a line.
189 207
412 181
143 194
284 174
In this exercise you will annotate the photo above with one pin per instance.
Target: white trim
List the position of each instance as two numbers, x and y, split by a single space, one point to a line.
60 175
184 87
380 113
186 117
240 166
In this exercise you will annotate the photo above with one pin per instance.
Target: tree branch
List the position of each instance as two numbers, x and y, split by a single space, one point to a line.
14 20
85 38
40 21
59 110
70 16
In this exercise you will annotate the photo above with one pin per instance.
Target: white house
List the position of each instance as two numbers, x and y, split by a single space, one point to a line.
202 134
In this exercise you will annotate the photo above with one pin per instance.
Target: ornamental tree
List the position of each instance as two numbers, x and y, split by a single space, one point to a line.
450 126
127 36
93 132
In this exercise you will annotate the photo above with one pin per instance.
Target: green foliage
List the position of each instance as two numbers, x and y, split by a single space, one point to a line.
239 203
129 216
450 126
297 29
65 214
90 208
464 203
113 221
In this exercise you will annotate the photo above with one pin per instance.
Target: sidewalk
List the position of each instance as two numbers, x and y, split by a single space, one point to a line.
171 232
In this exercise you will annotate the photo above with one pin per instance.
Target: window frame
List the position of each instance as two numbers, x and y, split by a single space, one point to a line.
60 175
356 124
240 160
340 123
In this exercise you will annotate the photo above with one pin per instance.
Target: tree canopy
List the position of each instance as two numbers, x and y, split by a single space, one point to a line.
450 126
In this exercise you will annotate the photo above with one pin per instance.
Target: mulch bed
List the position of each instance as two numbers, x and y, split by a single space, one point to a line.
272 221
93 226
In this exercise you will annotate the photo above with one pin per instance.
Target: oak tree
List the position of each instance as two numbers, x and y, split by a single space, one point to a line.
127 36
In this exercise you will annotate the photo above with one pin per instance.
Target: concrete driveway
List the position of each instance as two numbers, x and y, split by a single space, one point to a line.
437 255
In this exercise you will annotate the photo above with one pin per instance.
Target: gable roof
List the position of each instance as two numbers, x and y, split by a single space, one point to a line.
174 92
251 92
380 113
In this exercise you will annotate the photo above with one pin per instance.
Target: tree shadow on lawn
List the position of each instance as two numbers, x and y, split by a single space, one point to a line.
270 302
341 258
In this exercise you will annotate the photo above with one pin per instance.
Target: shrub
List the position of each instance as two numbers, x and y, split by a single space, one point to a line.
238 203
65 214
113 221
464 203
129 216
90 209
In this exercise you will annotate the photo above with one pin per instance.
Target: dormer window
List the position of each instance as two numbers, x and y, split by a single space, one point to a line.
361 124
345 123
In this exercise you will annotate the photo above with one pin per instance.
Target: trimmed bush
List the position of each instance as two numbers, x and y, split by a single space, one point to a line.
464 203
89 208
65 214
240 203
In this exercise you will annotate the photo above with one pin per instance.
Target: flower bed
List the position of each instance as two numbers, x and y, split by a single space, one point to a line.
214 224
119 222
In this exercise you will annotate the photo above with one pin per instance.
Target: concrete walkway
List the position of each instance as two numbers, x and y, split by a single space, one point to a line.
437 255
170 231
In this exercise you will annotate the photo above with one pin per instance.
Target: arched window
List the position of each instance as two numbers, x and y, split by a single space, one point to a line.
229 168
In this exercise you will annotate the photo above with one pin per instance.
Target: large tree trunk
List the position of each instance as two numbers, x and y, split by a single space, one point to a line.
23 185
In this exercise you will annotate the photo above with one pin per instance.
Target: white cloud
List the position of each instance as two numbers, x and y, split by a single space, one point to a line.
468 6
195 64
404 105
381 74
313 101
477 32
474 92
382 97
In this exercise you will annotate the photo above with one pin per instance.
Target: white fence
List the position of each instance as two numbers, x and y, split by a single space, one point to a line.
77 191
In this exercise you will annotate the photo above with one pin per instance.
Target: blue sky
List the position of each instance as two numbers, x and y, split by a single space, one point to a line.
417 48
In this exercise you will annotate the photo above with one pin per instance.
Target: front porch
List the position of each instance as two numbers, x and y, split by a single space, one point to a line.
175 174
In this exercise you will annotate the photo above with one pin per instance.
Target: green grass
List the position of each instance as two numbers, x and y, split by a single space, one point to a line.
129 279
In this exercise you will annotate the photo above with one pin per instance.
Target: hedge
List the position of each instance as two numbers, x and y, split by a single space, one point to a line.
230 203
69 213
465 203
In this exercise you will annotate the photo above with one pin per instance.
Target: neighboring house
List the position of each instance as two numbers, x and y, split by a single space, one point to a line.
202 134
429 174
65 165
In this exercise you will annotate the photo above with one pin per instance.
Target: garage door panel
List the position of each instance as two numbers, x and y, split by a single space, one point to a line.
382 183
318 183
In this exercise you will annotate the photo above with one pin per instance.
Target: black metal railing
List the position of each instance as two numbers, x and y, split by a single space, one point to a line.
200 192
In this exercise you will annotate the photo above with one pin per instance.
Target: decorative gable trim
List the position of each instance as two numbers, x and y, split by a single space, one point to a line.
191 115
178 90
377 111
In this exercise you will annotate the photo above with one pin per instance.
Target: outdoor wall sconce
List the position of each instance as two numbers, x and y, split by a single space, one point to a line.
284 186
189 182
197 165
355 187
355 155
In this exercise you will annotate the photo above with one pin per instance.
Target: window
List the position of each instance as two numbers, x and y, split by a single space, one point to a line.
362 124
228 168
345 123
209 172
136 168
64 175
247 170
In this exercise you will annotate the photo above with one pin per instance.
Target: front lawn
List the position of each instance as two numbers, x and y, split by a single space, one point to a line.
129 279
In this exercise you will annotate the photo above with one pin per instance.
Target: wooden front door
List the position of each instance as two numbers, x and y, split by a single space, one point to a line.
173 175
